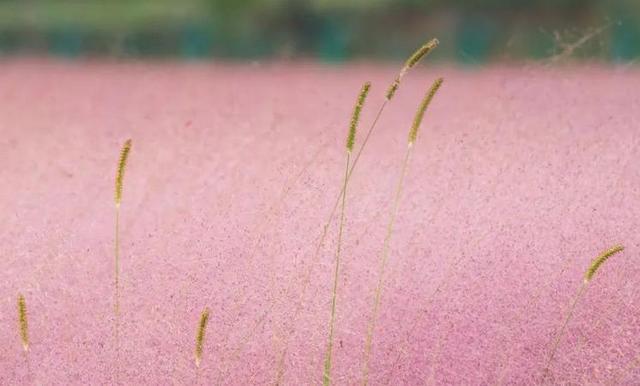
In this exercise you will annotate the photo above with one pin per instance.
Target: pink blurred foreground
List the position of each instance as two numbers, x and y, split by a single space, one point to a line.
520 177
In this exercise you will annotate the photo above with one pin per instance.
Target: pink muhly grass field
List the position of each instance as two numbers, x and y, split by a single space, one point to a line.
521 176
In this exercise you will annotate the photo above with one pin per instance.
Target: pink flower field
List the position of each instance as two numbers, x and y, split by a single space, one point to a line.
521 176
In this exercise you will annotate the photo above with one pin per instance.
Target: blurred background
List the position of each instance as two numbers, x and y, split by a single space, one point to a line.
472 31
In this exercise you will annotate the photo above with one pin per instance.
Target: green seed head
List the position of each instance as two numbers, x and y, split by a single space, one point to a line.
604 256
421 53
122 164
393 88
202 327
411 62
22 318
417 120
355 118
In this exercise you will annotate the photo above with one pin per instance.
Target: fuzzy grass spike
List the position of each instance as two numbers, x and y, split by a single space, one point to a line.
588 276
413 133
417 120
122 166
23 323
355 118
414 59
604 256
200 335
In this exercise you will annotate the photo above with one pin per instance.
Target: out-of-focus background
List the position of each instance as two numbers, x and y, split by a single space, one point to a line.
474 31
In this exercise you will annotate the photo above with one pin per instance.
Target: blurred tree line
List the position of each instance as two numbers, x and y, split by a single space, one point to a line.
472 31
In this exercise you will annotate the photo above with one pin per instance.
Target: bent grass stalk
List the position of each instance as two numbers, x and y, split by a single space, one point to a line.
355 118
413 134
588 276
122 165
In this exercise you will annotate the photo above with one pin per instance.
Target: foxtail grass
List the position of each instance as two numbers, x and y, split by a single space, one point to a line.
417 56
355 118
588 276
23 322
122 165
200 335
23 329
413 134
414 59
411 62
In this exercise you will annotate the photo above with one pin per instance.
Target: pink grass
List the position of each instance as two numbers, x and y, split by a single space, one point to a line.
520 172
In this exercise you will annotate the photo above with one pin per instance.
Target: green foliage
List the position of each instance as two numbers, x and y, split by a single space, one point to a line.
331 30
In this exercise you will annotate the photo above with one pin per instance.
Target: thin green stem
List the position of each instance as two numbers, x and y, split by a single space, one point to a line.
117 292
383 264
558 338
326 378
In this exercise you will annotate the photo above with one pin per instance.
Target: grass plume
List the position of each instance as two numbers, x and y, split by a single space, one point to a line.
122 165
202 329
23 322
413 133
588 276
355 118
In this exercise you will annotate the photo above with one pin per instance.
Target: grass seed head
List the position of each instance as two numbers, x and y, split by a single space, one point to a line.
202 327
417 120
411 62
604 256
22 318
355 118
393 88
421 53
122 165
